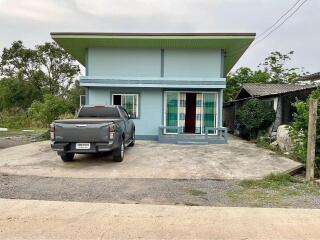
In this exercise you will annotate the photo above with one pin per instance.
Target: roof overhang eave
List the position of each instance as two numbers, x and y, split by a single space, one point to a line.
76 43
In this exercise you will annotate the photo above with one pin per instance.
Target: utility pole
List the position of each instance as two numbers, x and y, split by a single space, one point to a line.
312 134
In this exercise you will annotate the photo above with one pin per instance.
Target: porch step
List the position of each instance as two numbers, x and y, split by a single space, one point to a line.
192 143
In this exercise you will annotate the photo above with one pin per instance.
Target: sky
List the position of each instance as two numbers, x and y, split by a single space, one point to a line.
32 21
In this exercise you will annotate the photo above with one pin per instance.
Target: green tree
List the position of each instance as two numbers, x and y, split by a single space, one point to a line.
73 96
49 68
276 66
48 110
18 62
241 76
254 116
16 93
59 66
273 70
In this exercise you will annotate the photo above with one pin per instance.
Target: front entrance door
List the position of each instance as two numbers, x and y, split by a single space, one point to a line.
190 112
190 121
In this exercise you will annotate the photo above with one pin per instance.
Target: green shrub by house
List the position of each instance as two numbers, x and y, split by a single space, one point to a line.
50 109
254 116
299 130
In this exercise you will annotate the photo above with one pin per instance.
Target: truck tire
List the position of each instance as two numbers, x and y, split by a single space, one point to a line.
66 157
133 140
118 153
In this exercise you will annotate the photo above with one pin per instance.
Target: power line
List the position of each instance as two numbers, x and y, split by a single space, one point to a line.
274 29
278 20
287 18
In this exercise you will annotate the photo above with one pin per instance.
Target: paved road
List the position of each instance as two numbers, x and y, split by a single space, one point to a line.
25 219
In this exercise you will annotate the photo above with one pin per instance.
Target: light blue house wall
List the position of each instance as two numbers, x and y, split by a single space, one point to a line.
195 63
120 64
131 62
150 107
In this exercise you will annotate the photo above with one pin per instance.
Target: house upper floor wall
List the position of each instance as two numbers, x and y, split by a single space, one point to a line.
140 62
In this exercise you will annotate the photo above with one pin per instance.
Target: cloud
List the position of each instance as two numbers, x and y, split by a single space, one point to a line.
132 7
149 14
36 10
39 17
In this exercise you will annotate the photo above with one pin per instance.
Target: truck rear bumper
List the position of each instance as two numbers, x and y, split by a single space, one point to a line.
71 147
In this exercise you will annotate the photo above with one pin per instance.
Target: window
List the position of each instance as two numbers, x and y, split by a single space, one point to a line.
98 112
268 102
129 102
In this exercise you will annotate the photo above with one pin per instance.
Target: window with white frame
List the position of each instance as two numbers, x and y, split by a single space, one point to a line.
129 101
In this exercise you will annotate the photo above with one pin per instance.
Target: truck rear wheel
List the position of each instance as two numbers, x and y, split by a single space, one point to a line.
118 153
66 157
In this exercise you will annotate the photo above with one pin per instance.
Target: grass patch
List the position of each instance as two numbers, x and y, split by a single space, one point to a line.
276 190
197 193
272 181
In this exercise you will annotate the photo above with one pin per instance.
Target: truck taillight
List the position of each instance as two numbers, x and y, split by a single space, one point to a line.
112 129
52 132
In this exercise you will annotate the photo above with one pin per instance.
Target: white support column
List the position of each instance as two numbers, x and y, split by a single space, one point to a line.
220 111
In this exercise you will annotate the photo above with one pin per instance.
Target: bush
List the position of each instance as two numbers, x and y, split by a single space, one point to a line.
15 119
254 116
48 110
66 115
299 130
18 94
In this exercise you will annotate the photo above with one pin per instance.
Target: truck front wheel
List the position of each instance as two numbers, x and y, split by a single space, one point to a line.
118 153
66 157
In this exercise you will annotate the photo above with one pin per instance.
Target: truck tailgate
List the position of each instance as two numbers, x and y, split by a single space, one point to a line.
82 131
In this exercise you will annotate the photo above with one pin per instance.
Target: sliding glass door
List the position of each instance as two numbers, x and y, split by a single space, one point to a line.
209 112
172 99
193 112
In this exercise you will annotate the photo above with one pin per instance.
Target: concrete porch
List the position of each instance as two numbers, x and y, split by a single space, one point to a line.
220 136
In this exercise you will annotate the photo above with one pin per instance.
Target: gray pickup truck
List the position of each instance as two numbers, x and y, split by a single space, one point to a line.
96 129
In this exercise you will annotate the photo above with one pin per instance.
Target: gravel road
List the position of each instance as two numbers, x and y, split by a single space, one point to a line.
139 191
155 191
12 141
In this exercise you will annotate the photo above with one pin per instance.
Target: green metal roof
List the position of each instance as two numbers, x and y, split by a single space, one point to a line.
234 44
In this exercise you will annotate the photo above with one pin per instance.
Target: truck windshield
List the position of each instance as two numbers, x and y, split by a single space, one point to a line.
98 112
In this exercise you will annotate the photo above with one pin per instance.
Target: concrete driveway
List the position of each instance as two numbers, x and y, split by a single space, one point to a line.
236 160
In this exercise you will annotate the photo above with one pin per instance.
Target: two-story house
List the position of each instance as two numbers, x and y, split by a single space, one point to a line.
171 84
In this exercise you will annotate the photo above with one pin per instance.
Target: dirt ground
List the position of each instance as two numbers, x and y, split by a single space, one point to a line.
12 141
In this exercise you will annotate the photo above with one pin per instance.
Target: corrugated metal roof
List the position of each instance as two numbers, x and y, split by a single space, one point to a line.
310 77
259 89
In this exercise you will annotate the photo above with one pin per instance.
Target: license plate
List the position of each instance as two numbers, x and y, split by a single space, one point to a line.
83 146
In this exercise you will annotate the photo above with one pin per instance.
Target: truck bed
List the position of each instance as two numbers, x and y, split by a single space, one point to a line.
83 130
